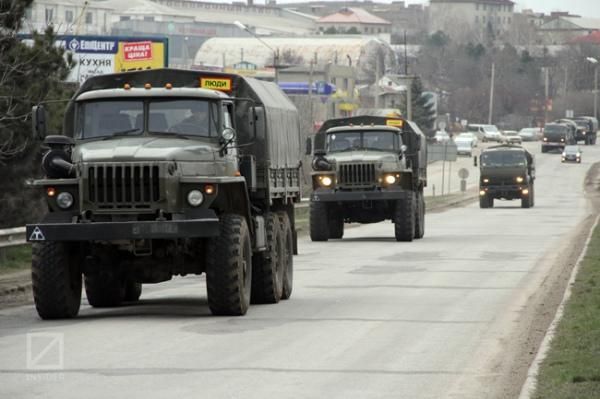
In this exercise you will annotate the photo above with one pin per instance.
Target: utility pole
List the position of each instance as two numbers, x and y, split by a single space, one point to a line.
546 93
310 92
596 92
490 114
409 79
377 79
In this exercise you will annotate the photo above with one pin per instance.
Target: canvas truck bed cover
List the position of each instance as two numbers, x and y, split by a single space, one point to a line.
278 141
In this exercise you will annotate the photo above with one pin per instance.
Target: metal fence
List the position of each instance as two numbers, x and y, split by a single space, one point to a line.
12 237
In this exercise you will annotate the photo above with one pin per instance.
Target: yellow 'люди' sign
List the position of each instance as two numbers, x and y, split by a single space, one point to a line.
222 84
394 122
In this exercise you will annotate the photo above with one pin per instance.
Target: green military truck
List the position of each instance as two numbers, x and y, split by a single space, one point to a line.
159 174
506 172
367 169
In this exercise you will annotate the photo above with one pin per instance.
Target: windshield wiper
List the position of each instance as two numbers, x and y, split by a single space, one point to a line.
121 133
178 135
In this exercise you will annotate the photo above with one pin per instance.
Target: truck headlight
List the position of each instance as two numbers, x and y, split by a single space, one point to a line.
486 180
64 200
195 198
326 181
519 179
390 179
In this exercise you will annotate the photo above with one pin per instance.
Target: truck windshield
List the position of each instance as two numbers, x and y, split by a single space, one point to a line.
190 117
503 159
378 140
554 130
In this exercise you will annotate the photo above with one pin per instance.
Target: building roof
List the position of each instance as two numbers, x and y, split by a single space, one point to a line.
352 16
593 38
584 23
501 2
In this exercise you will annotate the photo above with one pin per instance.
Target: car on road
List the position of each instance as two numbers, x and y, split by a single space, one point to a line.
530 133
571 153
486 132
441 136
465 142
512 137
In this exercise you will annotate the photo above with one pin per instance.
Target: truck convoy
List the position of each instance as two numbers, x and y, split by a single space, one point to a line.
168 172
588 128
367 169
506 172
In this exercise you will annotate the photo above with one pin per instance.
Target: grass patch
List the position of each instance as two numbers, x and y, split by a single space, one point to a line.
14 259
572 367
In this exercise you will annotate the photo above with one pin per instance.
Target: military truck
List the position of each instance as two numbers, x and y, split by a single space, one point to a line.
367 169
557 135
162 173
506 172
588 129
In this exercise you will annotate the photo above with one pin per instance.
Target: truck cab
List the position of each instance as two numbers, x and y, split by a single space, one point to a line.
557 135
366 170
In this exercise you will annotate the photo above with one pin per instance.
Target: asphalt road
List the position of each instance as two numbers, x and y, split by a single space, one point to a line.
369 317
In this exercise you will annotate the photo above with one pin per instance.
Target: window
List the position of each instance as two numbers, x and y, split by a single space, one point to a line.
149 18
69 16
476 18
477 6
28 14
483 19
49 15
105 118
484 7
508 20
124 18
88 18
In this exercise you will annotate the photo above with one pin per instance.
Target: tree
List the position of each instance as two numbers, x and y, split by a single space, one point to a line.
29 74
330 31
353 31
423 112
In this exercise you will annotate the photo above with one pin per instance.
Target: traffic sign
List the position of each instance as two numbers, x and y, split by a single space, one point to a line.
463 173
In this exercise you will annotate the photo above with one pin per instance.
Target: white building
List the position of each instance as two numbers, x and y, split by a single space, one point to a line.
80 17
471 20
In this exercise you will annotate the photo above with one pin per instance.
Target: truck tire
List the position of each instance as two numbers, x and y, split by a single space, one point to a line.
288 255
104 290
229 268
526 201
336 226
133 291
56 280
267 270
532 195
486 202
404 218
319 227
420 218
544 149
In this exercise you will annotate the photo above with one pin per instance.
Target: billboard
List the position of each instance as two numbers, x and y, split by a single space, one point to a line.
98 55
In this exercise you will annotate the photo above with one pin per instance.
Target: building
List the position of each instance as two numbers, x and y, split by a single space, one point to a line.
351 50
353 20
411 18
471 20
563 29
79 17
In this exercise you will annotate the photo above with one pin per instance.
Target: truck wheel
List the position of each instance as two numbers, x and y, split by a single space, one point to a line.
420 218
532 196
288 257
267 271
229 268
104 290
56 280
336 226
319 227
526 201
484 202
133 291
544 149
404 220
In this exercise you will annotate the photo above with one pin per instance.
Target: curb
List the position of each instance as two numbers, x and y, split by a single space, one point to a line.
530 383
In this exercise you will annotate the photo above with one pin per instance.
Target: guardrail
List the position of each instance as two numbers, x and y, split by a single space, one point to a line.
12 237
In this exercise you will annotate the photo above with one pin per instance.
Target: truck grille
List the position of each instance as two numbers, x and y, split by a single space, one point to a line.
357 175
123 186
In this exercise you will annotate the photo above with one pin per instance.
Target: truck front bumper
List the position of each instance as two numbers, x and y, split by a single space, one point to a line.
509 192
205 226
328 195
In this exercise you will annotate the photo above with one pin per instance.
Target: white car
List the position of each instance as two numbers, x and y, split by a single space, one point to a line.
512 137
441 137
465 142
486 132
530 133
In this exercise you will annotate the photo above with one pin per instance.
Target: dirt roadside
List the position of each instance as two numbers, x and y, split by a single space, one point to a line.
511 357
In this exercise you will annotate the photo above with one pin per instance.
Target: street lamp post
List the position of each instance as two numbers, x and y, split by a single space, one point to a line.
275 52
594 61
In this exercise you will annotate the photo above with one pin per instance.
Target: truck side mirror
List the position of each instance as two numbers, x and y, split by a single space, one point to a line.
38 122
475 161
308 146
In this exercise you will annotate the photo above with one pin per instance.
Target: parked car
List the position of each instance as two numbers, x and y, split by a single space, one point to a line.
512 137
530 133
441 136
571 153
465 142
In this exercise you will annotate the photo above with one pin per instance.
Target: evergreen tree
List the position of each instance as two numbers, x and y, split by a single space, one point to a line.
30 73
423 112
